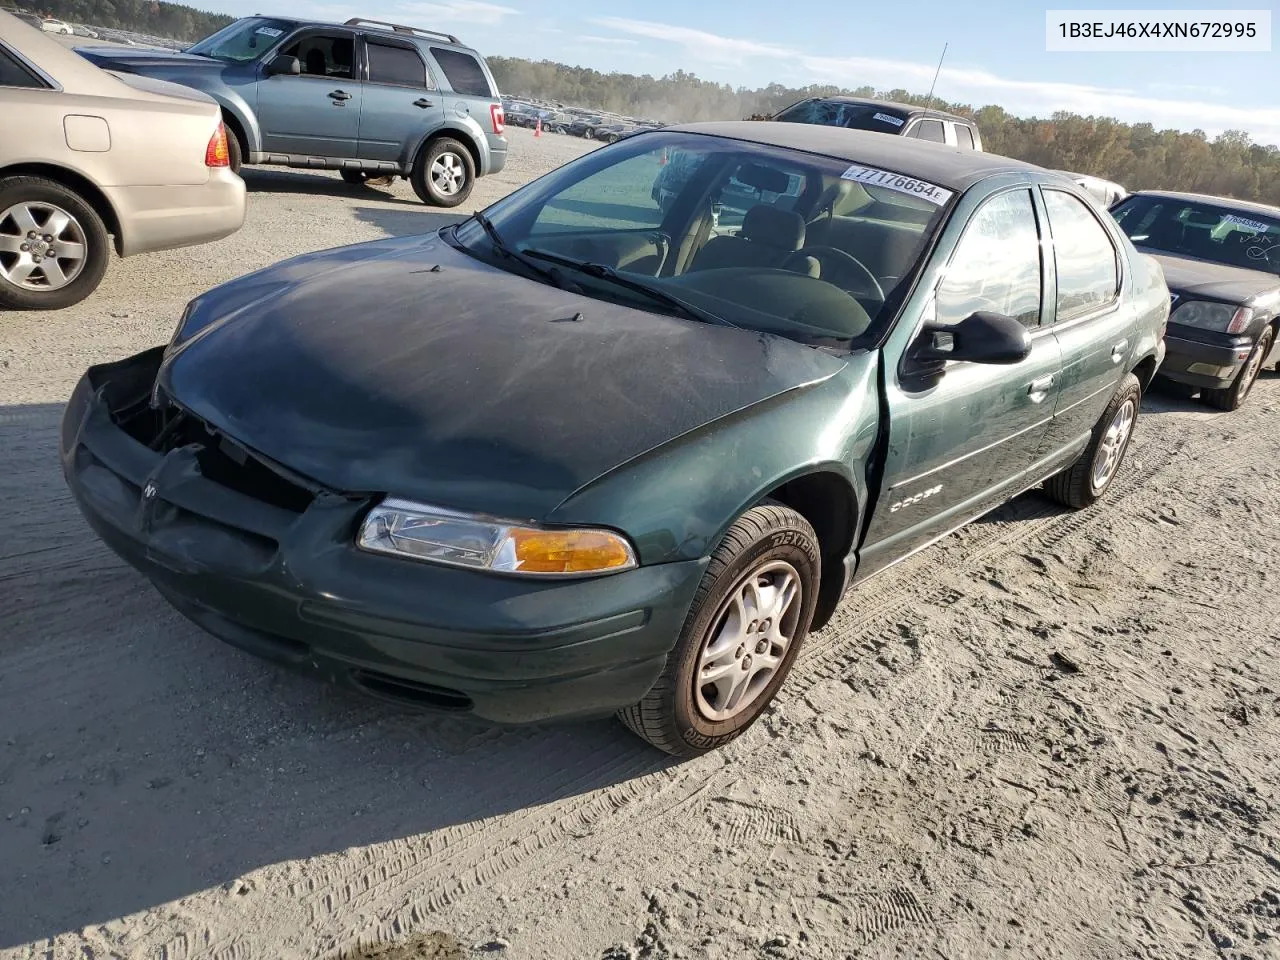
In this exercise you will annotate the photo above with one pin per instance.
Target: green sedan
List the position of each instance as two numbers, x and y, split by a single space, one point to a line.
583 454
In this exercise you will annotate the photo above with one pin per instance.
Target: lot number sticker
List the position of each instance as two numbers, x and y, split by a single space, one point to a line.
885 118
1253 225
896 181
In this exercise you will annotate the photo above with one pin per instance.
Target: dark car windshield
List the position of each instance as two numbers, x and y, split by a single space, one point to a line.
242 41
1236 237
855 116
765 238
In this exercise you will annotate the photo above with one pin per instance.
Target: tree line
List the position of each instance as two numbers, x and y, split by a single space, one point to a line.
1136 155
154 18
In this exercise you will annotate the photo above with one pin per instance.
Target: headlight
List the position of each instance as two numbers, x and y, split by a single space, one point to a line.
1222 317
422 532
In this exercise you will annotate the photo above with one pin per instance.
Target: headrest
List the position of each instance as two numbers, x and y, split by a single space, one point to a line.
781 229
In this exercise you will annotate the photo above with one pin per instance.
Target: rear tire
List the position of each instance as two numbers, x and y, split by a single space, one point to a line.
1234 396
742 631
35 205
354 177
444 173
1086 481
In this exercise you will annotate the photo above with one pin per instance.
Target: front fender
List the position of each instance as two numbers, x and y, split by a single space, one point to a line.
234 104
676 501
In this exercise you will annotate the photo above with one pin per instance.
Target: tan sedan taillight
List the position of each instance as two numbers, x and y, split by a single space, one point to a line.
216 153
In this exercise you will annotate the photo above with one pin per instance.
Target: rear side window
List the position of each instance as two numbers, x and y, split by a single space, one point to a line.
1088 275
463 71
401 66
964 137
15 74
930 130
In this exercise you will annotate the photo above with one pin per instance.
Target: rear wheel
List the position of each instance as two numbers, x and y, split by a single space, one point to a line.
1085 481
53 245
743 632
1233 397
354 177
444 173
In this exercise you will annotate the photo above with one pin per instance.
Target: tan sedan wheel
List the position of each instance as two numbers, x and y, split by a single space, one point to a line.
53 246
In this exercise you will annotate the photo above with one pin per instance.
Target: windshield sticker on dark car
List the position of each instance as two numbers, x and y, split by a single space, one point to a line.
1253 225
896 121
268 31
896 181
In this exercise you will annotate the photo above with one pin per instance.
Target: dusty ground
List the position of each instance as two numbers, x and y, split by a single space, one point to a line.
1053 735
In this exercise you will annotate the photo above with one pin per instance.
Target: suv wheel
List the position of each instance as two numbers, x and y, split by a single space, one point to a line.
444 173
53 246
1233 397
743 632
235 152
1085 481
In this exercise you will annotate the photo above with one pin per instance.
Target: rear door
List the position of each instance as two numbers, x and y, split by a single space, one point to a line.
402 102
1094 331
472 95
960 444
316 114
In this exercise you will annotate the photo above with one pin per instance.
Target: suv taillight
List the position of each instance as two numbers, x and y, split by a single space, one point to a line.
498 116
216 153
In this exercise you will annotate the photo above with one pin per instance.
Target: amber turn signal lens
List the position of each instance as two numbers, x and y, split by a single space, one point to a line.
569 551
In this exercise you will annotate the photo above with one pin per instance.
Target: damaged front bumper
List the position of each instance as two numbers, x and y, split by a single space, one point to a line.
266 560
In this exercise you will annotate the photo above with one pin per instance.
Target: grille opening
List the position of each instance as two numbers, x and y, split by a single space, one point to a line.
410 691
221 461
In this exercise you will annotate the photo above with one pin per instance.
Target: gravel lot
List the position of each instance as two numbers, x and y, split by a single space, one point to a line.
1052 735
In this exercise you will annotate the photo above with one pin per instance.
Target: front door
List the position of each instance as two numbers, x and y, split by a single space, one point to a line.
402 102
962 443
316 114
1093 329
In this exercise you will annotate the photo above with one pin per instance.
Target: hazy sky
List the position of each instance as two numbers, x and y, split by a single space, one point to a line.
998 58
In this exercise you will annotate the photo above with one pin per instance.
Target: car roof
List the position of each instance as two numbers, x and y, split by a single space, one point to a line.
938 163
907 108
440 37
1249 205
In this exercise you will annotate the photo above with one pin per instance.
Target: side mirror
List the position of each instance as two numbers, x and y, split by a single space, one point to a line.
282 65
982 337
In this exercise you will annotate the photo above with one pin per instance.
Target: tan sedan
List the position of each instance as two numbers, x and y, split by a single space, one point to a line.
87 156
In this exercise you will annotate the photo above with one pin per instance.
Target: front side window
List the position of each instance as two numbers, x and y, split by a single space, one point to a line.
1207 231
399 66
243 40
324 55
996 266
1088 271
463 71
725 227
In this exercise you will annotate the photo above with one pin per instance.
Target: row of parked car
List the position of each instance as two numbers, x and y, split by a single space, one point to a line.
573 121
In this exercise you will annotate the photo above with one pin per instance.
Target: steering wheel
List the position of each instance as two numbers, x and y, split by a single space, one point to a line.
843 270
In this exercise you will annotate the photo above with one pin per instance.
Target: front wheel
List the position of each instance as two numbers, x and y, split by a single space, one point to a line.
1085 481
53 246
749 617
235 152
1233 397
444 173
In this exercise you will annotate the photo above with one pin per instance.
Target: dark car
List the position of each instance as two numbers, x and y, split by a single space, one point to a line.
366 98
885 116
29 18
577 455
1221 258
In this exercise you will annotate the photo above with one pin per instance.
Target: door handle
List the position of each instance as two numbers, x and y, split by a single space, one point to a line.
339 95
1117 351
1037 390
422 102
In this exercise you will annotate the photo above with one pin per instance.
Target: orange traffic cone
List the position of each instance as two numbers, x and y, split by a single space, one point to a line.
537 129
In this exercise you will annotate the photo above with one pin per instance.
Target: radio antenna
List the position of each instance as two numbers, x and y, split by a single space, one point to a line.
932 86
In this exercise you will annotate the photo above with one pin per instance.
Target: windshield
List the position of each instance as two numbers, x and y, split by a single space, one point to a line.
855 116
759 237
243 40
1204 230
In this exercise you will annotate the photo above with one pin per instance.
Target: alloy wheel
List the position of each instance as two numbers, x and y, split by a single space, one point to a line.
448 174
1111 449
42 246
1254 366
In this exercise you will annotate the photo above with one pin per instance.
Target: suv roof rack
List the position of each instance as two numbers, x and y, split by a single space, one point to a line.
401 28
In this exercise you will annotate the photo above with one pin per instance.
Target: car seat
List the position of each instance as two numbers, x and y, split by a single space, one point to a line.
316 64
767 238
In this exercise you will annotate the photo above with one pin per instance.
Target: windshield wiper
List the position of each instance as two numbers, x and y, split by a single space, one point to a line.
510 253
603 271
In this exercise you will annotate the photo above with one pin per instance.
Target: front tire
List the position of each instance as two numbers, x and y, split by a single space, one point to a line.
235 151
1088 479
53 246
444 173
749 618
1233 397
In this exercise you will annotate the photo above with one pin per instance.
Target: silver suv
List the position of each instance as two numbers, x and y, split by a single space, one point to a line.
366 98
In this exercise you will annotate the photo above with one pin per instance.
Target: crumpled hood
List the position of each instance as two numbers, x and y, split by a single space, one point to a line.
133 59
1189 278
368 369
